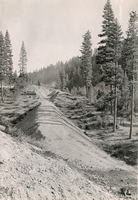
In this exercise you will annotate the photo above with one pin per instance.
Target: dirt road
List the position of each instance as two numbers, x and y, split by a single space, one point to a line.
67 166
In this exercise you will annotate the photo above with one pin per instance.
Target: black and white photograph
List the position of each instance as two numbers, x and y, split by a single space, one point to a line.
68 99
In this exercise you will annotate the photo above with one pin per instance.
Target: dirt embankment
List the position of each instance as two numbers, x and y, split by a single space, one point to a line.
64 164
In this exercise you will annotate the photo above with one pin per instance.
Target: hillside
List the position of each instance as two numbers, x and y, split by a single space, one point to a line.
64 164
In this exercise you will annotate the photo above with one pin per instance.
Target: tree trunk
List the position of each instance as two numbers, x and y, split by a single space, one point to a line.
115 109
111 101
2 92
89 92
86 91
132 110
111 107
77 88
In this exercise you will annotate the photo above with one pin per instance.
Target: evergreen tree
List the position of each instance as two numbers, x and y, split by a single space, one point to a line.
125 96
105 50
38 83
58 83
125 55
23 62
86 63
63 80
118 73
95 69
8 57
132 64
77 77
109 53
67 79
15 77
2 63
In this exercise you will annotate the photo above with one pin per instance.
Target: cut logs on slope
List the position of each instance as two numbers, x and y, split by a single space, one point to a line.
65 164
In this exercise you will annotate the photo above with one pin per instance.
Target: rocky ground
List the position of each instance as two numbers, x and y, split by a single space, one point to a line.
54 159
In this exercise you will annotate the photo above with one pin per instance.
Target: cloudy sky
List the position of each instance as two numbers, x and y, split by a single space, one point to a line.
52 30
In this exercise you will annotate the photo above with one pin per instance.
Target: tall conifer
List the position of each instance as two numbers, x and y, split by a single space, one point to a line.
63 79
86 63
105 49
8 57
109 53
118 73
125 94
23 61
2 63
132 64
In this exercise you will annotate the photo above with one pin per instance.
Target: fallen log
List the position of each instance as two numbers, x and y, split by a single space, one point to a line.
87 115
91 125
91 114
31 92
51 94
89 119
53 97
75 117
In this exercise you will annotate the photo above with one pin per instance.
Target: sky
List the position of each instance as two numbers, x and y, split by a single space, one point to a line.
52 30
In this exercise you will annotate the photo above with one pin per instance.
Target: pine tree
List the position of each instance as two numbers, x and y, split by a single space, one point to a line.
2 63
125 95
105 50
58 83
125 55
118 73
8 57
63 83
77 77
15 77
132 64
109 53
86 63
23 61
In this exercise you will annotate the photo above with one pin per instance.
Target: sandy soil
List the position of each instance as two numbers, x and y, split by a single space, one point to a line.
64 165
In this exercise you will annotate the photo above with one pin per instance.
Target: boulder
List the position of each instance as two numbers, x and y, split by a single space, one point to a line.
2 128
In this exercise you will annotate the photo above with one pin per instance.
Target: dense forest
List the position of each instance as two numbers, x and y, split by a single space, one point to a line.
107 76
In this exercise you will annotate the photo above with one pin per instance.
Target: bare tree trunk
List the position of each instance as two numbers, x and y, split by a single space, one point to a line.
86 91
132 110
115 109
111 101
115 100
89 93
111 107
2 92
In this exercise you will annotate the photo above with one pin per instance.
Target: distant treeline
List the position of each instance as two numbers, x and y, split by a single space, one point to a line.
72 70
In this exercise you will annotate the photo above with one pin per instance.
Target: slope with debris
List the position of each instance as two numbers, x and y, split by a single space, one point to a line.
64 164
98 126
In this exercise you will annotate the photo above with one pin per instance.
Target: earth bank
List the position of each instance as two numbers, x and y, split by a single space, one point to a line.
62 164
